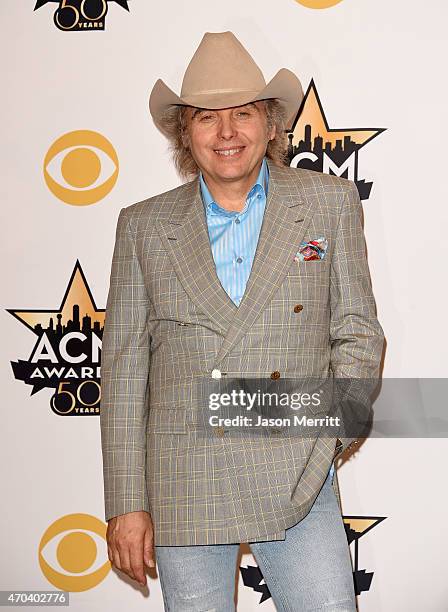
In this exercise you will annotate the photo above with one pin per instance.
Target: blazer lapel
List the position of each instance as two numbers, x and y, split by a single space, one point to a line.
185 237
287 216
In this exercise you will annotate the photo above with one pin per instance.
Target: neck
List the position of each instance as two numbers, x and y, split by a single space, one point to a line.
232 194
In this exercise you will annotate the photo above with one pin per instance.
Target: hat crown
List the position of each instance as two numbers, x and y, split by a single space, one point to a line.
221 64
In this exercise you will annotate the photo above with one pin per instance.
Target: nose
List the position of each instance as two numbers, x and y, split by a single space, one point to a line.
226 127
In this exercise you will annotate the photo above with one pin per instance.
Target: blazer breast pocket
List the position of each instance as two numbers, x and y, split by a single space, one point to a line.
169 420
307 283
308 268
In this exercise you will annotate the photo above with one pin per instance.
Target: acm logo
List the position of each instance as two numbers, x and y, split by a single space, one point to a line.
314 145
67 350
80 15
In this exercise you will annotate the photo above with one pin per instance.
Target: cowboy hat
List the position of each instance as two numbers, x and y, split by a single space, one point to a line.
222 74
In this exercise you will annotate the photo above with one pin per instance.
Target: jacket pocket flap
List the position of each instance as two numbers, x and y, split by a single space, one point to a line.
167 420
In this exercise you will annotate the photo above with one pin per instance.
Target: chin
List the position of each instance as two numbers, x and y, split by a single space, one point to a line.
234 166
231 173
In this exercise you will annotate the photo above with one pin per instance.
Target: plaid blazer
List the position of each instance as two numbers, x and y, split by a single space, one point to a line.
169 322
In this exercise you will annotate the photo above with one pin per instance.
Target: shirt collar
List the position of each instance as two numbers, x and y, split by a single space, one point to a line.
260 185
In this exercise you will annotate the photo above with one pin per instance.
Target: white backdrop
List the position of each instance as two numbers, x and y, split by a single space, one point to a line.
376 64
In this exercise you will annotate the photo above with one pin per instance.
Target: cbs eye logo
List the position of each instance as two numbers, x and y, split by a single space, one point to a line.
72 543
81 167
318 4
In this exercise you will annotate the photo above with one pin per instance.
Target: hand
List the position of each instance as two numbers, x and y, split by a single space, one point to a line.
130 543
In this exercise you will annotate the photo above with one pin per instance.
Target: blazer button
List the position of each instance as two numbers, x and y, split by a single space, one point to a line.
298 307
275 374
219 431
216 373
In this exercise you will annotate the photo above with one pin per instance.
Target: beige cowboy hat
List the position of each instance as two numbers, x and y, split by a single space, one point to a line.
222 74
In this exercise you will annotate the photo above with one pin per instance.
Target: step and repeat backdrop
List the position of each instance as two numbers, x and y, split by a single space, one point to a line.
79 145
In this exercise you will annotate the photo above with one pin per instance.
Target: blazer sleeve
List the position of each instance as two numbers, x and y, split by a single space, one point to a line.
125 363
356 336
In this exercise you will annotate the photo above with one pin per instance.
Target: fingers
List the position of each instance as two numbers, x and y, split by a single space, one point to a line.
115 559
126 540
125 554
148 549
121 558
136 563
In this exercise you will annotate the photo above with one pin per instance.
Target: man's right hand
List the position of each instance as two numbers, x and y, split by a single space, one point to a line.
130 543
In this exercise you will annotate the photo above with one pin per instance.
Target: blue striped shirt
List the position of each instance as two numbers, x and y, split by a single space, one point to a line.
234 235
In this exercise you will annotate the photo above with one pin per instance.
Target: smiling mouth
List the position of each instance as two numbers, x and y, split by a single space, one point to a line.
228 152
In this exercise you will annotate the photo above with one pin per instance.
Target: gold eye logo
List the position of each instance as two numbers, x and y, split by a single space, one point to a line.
81 167
77 553
318 4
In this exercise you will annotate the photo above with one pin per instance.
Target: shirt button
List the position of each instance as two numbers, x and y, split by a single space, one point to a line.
275 374
298 307
216 373
237 220
239 259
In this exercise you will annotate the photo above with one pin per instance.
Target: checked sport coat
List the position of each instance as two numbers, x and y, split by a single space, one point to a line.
170 323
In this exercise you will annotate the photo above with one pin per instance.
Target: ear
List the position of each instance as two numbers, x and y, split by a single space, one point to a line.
272 133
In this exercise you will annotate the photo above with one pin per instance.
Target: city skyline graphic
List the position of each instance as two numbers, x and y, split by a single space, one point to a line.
313 145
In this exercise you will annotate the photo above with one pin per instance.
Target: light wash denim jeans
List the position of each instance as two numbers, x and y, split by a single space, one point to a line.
309 570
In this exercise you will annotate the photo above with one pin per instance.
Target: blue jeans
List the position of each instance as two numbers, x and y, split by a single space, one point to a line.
309 570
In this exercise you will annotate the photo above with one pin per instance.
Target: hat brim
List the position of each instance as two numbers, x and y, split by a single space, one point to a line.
284 86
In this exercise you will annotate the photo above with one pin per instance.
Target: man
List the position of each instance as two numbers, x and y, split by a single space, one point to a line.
252 269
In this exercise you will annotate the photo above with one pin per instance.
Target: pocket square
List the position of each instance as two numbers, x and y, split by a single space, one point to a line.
314 249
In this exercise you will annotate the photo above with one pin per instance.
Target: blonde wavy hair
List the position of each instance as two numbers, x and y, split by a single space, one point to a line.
174 125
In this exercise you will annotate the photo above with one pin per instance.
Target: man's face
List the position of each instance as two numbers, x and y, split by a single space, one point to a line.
228 144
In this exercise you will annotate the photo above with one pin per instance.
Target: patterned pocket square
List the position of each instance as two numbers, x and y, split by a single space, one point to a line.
314 249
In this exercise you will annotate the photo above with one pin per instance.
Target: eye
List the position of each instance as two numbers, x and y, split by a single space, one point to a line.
244 113
81 167
73 552
205 118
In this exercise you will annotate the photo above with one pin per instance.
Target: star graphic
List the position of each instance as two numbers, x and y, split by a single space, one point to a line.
77 293
358 526
312 113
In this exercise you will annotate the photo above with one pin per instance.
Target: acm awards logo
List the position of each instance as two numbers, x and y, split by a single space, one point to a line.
73 554
67 350
316 146
355 528
80 15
